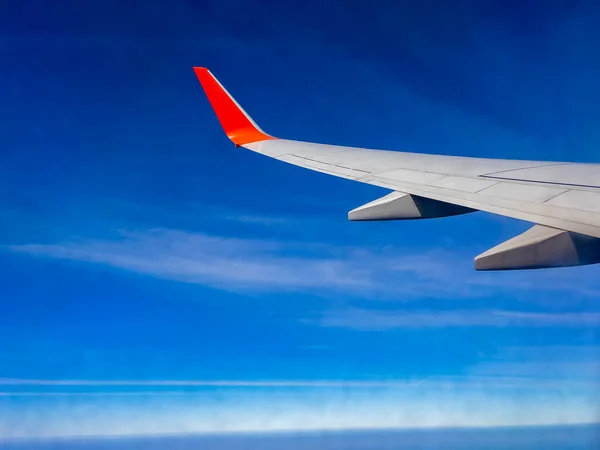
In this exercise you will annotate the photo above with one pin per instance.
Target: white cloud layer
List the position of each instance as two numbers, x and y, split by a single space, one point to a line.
473 403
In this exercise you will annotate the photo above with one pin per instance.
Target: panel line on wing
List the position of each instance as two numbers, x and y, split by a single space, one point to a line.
554 196
329 164
492 174
322 167
555 183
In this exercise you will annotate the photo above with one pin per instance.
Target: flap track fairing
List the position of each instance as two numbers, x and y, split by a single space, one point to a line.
541 247
401 206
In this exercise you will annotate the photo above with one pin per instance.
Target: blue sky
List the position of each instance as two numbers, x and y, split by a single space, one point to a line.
150 269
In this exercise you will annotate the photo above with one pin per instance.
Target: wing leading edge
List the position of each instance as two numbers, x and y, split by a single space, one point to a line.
561 198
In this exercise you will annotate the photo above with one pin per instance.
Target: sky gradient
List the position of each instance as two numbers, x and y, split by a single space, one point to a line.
156 279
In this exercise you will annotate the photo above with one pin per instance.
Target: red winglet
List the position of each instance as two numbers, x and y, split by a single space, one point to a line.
238 126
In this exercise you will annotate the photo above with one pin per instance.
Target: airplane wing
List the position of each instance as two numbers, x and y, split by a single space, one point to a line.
561 199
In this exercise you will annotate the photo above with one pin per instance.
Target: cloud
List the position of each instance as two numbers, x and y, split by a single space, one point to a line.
551 369
243 264
227 263
368 319
556 362
93 394
210 383
263 410
486 376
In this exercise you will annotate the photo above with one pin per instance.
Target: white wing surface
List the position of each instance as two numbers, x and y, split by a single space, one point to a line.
562 199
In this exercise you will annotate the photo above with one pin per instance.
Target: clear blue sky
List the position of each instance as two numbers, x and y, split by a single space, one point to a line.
139 245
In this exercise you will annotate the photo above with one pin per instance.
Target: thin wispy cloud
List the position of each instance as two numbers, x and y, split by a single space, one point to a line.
241 264
542 362
558 370
95 394
368 319
227 263
479 377
210 383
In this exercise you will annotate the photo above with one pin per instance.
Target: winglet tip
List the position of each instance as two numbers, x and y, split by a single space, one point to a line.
238 126
201 72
